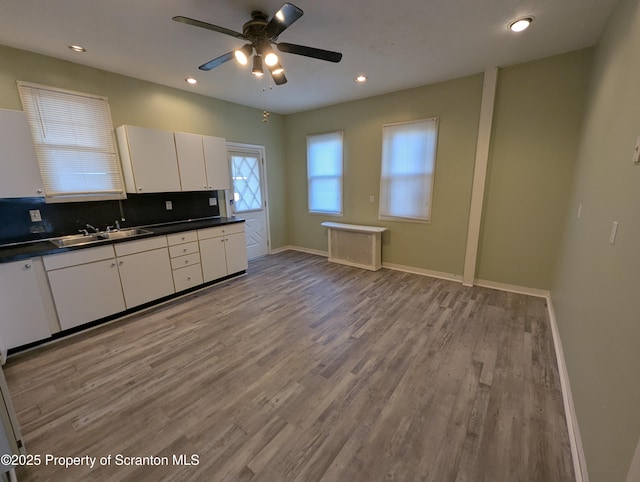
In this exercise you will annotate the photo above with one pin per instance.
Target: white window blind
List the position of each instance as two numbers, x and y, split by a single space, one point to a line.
324 172
74 141
408 164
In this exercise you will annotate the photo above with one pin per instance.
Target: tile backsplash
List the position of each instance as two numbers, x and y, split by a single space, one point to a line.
67 218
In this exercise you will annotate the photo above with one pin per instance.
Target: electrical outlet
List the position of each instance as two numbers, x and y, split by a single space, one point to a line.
34 214
168 205
213 201
372 198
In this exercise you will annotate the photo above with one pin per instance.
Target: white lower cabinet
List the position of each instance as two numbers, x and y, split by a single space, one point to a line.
93 283
145 270
85 285
22 319
223 251
185 260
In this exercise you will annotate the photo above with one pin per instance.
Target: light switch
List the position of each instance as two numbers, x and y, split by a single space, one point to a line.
372 199
614 231
579 211
636 152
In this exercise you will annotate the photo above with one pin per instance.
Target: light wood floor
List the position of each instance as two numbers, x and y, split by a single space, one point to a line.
305 370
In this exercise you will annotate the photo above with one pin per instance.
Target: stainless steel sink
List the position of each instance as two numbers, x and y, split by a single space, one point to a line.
93 238
123 233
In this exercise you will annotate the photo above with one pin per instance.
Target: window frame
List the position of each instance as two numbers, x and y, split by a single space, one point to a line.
382 197
108 149
310 178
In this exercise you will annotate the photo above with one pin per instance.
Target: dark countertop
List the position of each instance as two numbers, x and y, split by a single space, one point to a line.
27 250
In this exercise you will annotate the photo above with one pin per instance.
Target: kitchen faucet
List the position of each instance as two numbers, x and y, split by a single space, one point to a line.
95 230
110 228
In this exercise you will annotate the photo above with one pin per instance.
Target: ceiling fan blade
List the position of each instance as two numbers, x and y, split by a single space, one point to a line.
209 26
212 64
327 55
282 19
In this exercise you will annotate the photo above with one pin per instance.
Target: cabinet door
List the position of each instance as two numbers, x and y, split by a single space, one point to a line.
236 251
145 276
149 160
22 318
193 176
19 172
217 165
86 292
212 255
187 277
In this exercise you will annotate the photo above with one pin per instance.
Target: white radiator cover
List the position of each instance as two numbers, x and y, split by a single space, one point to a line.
355 245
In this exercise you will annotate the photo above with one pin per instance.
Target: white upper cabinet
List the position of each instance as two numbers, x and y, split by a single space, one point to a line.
217 165
149 161
162 161
193 176
19 172
203 162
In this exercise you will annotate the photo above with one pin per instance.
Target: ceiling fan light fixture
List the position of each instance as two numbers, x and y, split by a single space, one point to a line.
77 48
257 66
520 24
242 55
191 81
271 59
277 69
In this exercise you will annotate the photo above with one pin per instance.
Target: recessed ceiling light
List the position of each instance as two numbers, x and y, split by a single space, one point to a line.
520 24
361 78
77 48
191 80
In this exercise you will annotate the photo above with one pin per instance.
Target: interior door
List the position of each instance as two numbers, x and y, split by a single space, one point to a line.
249 203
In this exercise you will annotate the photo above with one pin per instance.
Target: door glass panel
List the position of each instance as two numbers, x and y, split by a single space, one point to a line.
245 173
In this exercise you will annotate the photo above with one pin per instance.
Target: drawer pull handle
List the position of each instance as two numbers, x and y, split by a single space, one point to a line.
28 266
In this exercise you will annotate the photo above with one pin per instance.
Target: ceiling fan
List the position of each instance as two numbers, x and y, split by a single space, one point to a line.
261 34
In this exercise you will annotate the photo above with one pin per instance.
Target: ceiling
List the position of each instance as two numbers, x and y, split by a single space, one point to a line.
397 44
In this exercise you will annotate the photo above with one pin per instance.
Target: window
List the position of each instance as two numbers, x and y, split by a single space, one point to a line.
408 163
245 173
324 173
74 143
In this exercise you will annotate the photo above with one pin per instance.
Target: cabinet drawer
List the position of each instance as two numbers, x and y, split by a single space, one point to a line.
182 261
140 245
208 233
183 249
81 256
185 278
179 238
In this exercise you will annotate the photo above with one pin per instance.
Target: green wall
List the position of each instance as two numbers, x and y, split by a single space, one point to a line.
595 290
146 104
437 246
536 132
539 110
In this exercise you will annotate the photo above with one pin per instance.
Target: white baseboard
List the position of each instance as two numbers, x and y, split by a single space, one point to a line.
301 249
577 451
423 272
523 290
